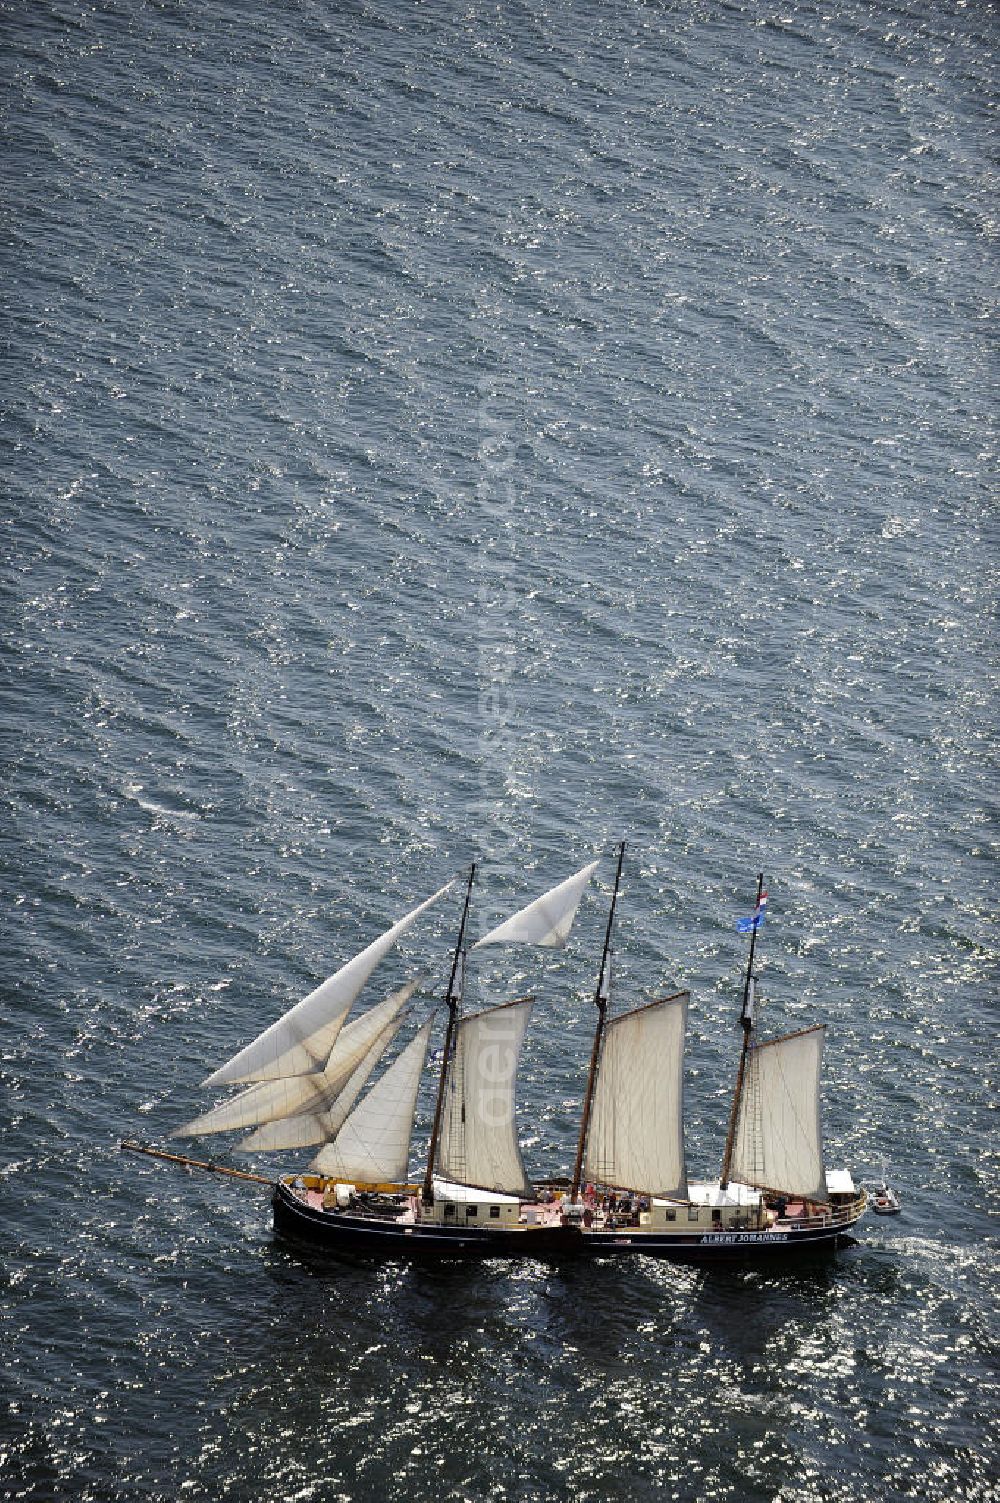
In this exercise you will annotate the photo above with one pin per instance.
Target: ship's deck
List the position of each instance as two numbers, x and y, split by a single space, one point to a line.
601 1212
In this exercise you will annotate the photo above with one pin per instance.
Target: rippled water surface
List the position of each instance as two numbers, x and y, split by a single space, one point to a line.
435 432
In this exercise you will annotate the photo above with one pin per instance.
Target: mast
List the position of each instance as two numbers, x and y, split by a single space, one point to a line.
746 1022
452 999
601 1001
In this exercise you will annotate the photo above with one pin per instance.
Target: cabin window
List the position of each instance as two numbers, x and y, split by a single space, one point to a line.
716 1215
692 1213
449 1210
671 1214
472 1210
494 1213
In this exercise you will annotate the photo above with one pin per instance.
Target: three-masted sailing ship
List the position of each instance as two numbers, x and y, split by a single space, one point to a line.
304 1083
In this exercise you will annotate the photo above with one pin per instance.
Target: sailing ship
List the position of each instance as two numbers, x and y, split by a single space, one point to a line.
304 1077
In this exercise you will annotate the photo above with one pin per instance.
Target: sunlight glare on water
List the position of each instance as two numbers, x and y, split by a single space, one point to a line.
437 433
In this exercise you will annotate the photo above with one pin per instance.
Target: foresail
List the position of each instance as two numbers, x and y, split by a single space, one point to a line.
302 1040
546 921
322 1123
373 1146
258 1103
357 1037
778 1144
478 1144
636 1135
271 1100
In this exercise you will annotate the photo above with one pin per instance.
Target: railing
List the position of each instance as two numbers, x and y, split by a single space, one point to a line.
836 1216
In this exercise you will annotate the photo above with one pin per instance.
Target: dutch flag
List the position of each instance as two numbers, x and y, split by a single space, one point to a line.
756 919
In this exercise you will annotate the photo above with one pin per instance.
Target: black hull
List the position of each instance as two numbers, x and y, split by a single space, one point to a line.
340 1231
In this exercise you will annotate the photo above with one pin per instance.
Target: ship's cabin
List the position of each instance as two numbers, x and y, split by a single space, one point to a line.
467 1206
708 1208
840 1187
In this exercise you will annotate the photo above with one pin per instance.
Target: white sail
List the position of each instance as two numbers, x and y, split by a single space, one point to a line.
636 1134
373 1146
303 1038
324 1120
272 1100
258 1103
478 1143
777 1145
546 921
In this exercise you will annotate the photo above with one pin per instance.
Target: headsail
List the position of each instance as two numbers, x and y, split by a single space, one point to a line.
636 1133
778 1144
274 1100
303 1038
478 1144
374 1143
546 921
325 1117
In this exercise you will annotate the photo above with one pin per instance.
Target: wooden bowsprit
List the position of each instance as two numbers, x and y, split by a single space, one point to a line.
129 1146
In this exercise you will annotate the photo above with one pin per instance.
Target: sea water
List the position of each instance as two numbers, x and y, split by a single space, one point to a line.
447 432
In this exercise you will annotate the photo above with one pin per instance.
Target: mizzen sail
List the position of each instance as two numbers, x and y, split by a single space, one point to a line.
303 1038
636 1134
478 1144
546 921
373 1145
778 1144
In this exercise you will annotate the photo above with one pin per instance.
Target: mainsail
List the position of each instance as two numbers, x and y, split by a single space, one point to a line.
478 1143
636 1135
303 1038
271 1100
546 921
778 1144
373 1145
